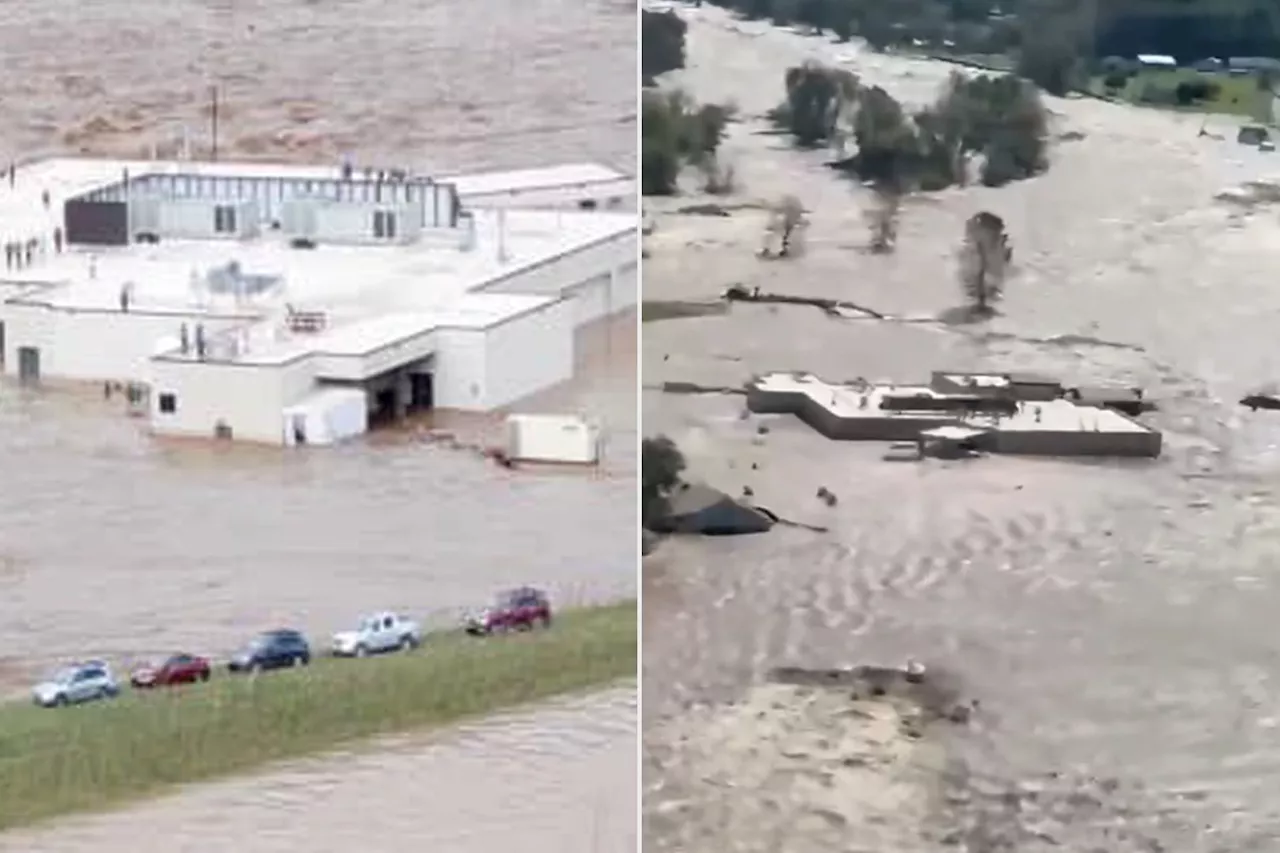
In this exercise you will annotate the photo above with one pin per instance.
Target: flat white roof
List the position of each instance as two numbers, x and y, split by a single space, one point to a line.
370 295
1066 416
979 380
853 401
532 180
344 281
846 400
1156 59
471 311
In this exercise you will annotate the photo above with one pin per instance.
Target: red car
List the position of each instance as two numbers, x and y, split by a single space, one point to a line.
516 610
178 669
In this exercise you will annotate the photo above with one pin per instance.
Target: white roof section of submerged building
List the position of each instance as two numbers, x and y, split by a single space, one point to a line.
867 411
263 301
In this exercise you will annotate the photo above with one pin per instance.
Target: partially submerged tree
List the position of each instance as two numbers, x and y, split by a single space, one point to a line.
676 132
718 178
883 218
1000 119
817 96
985 257
662 43
784 232
661 464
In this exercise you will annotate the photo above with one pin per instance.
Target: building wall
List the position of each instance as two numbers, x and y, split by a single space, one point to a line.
562 275
1076 443
190 218
603 295
249 399
352 223
459 372
92 345
483 369
526 354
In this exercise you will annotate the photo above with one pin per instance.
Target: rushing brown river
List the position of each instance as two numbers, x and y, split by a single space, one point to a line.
1116 619
116 545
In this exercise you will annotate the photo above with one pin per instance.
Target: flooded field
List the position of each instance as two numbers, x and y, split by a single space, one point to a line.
1114 618
114 544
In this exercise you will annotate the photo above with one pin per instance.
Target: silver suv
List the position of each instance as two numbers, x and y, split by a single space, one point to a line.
84 682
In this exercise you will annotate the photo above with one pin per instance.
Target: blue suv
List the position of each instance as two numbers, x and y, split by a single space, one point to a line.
272 650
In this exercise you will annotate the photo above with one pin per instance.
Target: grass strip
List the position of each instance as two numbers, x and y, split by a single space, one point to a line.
103 754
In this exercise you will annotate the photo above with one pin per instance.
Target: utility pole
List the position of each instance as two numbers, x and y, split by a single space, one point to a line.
213 121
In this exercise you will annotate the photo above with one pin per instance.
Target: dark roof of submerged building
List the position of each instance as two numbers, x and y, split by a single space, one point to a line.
698 508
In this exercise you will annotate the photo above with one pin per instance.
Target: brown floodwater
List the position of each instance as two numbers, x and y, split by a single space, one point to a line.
1115 619
113 544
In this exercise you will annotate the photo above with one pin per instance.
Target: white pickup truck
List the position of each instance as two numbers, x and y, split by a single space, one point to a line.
381 632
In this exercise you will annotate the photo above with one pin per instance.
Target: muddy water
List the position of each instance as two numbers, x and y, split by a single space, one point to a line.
438 84
1115 618
113 544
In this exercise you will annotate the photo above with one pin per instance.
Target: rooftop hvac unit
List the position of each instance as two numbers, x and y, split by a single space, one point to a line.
231 280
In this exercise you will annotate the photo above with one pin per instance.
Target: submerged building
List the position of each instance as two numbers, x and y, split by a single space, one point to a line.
998 413
287 305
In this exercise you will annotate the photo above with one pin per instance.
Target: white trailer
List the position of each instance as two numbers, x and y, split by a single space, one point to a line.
569 439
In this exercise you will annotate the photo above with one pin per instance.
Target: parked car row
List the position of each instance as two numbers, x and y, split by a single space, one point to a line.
519 609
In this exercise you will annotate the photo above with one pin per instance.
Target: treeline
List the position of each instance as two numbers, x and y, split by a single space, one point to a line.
885 23
661 44
1188 30
998 119
1054 38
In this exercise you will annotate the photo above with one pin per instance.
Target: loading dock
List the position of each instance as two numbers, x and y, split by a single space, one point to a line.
28 365
422 391
394 394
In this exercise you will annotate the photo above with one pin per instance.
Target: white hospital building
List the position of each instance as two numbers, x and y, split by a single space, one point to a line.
286 304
